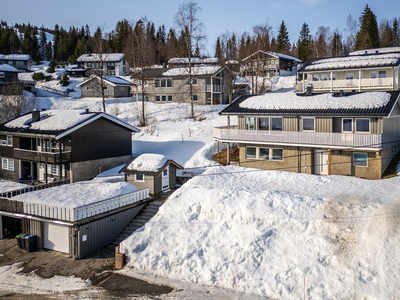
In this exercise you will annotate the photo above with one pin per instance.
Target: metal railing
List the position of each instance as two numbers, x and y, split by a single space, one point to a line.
358 140
83 211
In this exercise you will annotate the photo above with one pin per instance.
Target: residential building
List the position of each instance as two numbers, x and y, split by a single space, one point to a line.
152 171
183 62
210 84
113 64
363 70
8 74
63 144
354 133
112 86
21 62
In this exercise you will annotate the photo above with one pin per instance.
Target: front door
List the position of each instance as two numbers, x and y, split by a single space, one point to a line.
320 162
165 179
41 172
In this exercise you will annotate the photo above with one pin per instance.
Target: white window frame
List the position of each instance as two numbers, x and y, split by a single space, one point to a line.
170 98
351 125
139 180
369 125
157 83
373 75
356 165
7 164
308 118
269 153
256 155
9 140
270 124
195 98
272 154
2 75
255 123
158 98
383 73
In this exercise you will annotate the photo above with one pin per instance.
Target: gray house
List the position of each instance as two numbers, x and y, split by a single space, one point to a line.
152 171
21 62
8 74
113 87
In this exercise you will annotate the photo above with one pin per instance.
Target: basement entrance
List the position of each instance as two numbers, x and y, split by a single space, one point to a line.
10 227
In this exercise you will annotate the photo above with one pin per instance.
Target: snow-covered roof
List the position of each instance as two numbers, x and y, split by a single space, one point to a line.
113 80
376 51
8 186
8 68
65 121
354 61
194 60
275 54
15 56
231 62
206 70
323 101
95 57
148 163
77 194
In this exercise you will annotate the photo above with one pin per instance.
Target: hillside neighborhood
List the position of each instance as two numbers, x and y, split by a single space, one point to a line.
260 172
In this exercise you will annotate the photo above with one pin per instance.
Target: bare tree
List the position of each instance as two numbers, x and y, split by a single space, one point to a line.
191 29
351 32
100 47
14 101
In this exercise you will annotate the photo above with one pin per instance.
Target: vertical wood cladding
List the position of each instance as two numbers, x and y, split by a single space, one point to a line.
100 139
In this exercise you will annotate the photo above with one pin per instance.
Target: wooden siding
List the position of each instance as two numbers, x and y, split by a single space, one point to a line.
290 124
323 124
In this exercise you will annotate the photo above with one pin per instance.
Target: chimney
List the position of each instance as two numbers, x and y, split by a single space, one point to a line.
35 116
87 111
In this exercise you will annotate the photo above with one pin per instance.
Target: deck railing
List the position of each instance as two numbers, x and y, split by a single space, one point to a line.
38 186
83 211
333 139
354 84
39 156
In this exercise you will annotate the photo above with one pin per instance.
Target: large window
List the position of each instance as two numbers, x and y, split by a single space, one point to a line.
263 123
139 177
324 77
250 123
157 83
316 77
251 152
382 74
347 125
276 124
308 124
277 154
166 82
362 125
360 159
9 140
349 76
373 74
7 164
263 153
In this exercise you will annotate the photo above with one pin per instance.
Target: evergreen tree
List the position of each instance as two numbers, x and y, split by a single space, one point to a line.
121 34
283 42
218 51
35 49
43 44
387 38
303 44
56 40
368 35
336 44
396 33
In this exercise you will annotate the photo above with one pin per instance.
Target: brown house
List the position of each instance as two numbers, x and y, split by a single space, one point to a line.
153 171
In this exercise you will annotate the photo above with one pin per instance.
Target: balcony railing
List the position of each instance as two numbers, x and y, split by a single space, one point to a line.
321 139
37 156
215 88
354 84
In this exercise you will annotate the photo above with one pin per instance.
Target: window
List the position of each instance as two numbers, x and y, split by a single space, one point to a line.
277 154
194 98
139 177
9 140
308 124
251 152
263 153
382 74
2 75
373 74
170 98
276 124
360 159
349 76
362 125
263 124
165 172
315 77
194 81
187 81
122 88
163 98
7 164
324 77
250 123
157 98
169 82
347 125
163 82
157 83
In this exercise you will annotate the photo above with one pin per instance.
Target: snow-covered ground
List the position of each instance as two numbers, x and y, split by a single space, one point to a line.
273 230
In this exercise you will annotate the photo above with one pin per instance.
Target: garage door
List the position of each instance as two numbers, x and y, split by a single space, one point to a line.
56 237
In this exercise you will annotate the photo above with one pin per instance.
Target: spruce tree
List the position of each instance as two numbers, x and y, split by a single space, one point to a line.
218 50
43 44
303 43
368 35
396 33
283 42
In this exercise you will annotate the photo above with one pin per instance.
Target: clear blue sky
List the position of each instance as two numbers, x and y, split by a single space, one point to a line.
218 16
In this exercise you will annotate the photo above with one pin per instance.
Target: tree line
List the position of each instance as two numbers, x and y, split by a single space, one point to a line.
161 44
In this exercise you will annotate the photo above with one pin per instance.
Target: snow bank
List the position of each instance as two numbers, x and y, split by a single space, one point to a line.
148 162
271 229
323 101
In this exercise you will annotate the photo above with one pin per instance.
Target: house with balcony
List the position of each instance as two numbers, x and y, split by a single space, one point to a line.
22 62
113 64
183 62
210 84
52 145
363 70
353 133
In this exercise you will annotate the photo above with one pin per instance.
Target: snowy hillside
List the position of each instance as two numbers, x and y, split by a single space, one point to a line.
273 230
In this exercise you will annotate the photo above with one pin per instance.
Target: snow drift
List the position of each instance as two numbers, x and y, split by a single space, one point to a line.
273 229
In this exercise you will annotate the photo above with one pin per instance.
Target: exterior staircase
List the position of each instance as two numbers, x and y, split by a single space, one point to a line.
139 220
